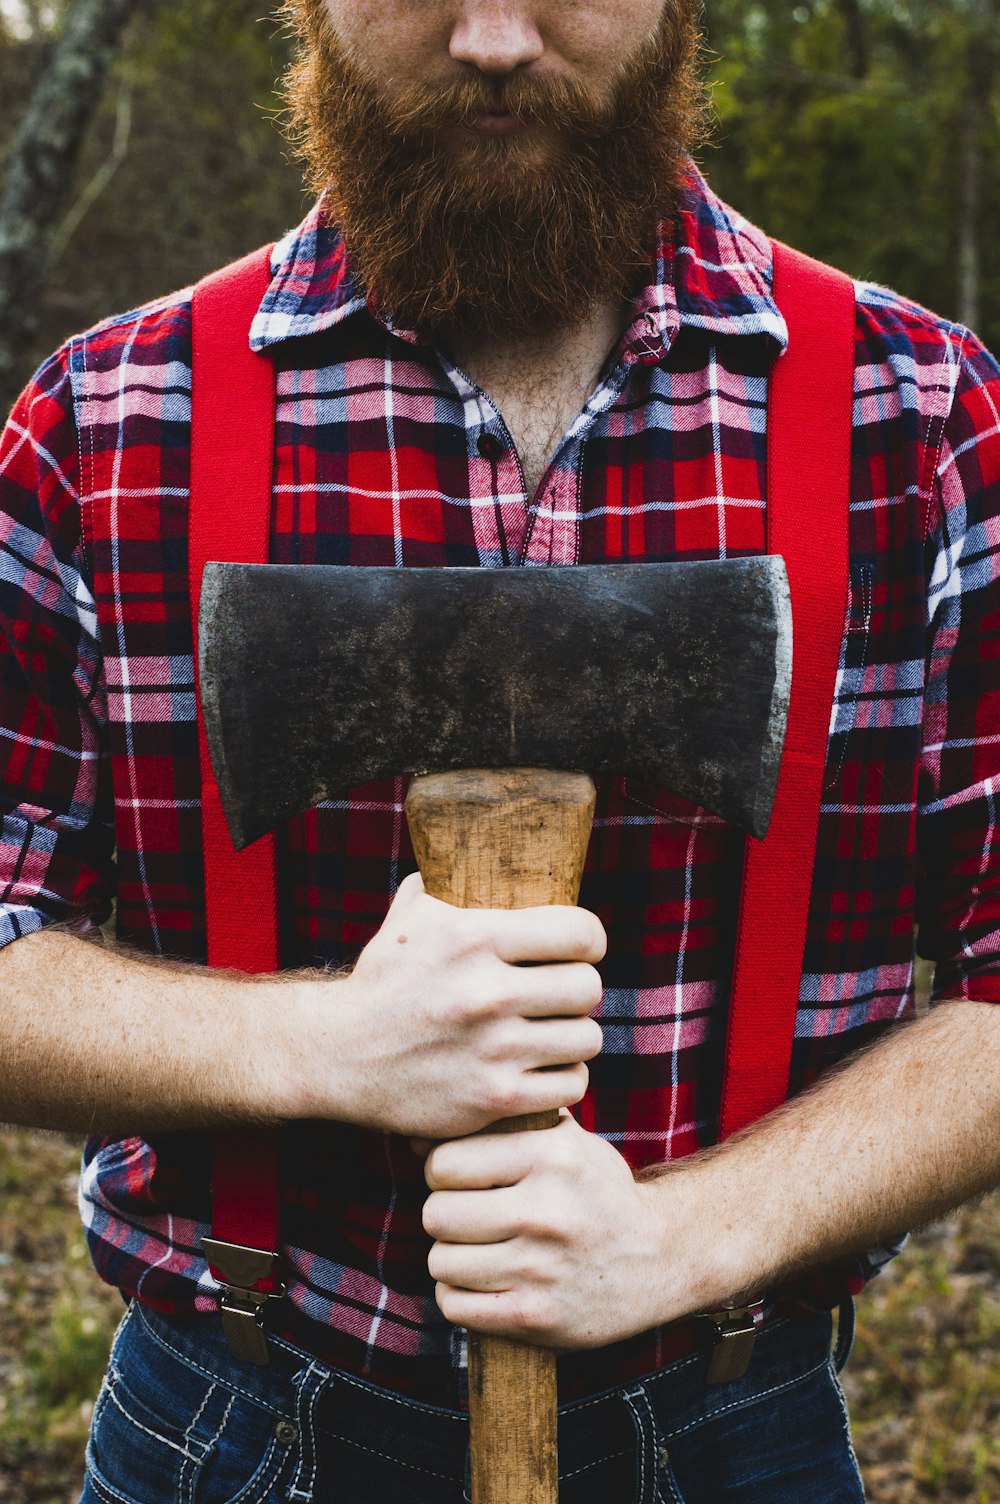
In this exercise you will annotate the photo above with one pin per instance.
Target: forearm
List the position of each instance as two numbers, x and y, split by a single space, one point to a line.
904 1132
98 1039
437 1031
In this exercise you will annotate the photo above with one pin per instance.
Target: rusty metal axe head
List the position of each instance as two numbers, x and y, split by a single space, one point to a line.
315 679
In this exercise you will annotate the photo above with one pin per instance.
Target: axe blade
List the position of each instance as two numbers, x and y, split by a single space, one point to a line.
317 678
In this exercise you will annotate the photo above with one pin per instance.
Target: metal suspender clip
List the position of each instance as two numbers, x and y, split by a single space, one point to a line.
244 1270
732 1349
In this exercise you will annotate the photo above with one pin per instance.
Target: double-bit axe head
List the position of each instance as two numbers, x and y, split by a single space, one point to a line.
317 678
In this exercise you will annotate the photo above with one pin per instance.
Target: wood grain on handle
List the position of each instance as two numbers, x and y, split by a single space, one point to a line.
506 839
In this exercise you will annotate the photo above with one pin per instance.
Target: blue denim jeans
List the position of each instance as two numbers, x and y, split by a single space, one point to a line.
179 1422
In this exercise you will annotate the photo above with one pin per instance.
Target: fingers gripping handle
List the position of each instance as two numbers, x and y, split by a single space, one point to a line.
506 839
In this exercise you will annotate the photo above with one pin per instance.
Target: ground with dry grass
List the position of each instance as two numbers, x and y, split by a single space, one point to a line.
924 1382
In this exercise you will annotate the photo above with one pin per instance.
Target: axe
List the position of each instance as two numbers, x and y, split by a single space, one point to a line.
496 688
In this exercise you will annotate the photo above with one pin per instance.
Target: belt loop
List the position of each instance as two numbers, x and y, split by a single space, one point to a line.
845 1334
637 1400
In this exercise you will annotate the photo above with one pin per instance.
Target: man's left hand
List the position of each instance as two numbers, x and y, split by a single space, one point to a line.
544 1236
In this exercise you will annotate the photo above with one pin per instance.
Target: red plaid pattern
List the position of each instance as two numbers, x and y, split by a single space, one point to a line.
385 454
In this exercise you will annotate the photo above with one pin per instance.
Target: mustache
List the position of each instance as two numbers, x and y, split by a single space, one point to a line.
419 110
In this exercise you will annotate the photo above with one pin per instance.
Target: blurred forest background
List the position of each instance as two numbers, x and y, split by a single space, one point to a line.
864 131
867 132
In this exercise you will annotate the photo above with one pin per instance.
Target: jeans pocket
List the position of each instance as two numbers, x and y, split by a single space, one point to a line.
668 1490
164 1433
787 1446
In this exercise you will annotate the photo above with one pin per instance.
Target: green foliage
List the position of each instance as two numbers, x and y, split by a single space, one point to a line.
56 1321
204 175
844 126
860 155
924 1382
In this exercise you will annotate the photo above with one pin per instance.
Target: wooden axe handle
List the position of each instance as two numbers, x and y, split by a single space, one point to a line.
506 839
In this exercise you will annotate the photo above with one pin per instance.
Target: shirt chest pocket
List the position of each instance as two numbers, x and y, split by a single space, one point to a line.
855 658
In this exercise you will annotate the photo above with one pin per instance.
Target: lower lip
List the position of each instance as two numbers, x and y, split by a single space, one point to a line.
497 125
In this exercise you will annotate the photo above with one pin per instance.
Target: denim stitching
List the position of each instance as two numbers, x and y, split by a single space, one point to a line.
147 1432
386 1394
101 1402
207 1446
222 1423
205 1372
189 1476
629 1397
609 1394
596 1463
674 1496
308 1436
105 1490
750 1399
264 1476
393 1461
654 1380
430 1410
200 1412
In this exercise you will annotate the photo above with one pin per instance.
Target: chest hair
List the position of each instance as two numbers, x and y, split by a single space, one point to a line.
540 385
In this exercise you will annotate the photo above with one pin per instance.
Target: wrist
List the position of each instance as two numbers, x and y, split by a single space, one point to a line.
709 1244
299 1053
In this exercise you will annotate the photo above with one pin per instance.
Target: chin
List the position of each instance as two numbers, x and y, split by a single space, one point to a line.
532 148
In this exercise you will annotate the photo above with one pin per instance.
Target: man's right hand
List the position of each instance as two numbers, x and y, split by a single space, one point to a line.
442 1029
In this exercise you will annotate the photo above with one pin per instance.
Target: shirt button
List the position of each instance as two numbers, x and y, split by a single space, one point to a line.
489 446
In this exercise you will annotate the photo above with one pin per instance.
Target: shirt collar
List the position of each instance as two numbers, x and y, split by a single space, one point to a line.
710 269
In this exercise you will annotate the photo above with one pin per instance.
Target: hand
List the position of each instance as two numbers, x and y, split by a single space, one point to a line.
545 1237
439 1031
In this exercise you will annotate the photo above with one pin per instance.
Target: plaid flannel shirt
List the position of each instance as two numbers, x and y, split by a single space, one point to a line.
666 461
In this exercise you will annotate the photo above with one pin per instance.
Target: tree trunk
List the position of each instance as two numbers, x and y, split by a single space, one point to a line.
857 40
980 79
41 163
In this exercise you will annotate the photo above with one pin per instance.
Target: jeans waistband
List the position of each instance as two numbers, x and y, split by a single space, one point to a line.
785 1349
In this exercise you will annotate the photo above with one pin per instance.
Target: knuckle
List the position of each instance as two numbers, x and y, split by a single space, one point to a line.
505 1097
435 1169
594 1039
431 1218
595 987
444 1296
468 1007
595 939
536 1315
580 1080
436 1263
502 1043
565 1091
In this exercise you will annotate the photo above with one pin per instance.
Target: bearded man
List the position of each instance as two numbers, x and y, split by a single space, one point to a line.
516 329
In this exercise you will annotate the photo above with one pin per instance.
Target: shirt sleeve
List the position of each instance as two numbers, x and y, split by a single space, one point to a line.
56 846
958 839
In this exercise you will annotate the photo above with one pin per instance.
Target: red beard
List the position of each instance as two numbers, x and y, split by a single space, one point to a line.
483 236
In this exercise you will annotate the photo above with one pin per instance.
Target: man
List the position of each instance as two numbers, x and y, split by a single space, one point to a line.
519 329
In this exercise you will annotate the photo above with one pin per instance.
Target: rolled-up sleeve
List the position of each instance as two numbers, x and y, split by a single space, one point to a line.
56 848
958 834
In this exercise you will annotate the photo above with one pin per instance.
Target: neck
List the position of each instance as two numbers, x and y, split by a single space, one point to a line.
540 382
581 347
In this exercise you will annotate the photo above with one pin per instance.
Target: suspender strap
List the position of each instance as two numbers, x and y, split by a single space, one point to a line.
232 449
809 457
809 472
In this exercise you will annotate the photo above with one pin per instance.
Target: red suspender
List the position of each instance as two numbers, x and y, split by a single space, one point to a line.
808 491
232 457
809 458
